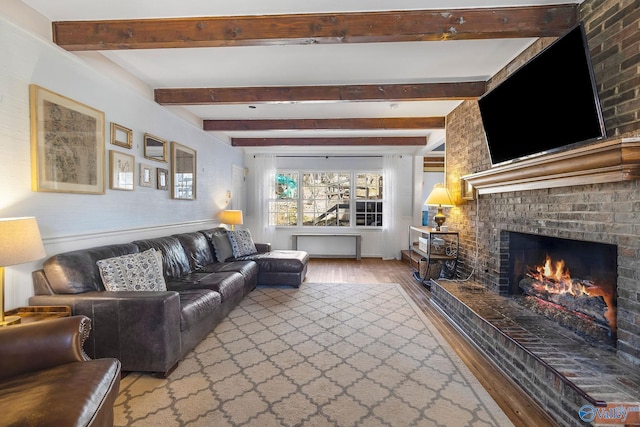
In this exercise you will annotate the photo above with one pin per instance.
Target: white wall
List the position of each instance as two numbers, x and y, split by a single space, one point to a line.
72 221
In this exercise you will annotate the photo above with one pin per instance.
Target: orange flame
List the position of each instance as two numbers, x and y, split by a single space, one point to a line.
555 278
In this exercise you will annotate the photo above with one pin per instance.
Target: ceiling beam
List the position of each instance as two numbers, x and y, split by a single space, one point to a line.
340 141
392 92
332 28
301 124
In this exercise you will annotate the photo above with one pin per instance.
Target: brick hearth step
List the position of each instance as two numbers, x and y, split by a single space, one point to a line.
559 369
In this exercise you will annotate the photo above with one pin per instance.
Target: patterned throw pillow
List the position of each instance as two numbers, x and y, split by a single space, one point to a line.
133 272
241 243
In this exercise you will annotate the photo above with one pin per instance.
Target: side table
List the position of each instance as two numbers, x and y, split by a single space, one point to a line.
36 313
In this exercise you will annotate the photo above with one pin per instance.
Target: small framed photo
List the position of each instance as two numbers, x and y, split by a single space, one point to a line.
122 167
155 148
162 179
146 175
121 136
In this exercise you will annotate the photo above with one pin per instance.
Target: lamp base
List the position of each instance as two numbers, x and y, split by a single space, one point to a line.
10 320
439 218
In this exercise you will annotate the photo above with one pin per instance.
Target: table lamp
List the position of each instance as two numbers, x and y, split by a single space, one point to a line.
439 197
231 217
20 242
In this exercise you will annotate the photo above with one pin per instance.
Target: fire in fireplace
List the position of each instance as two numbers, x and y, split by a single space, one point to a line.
570 281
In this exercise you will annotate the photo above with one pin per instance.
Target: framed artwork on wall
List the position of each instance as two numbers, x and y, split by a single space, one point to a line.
162 179
122 167
67 144
146 175
155 148
467 191
183 172
121 136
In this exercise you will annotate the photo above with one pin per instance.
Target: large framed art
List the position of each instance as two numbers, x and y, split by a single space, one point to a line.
67 144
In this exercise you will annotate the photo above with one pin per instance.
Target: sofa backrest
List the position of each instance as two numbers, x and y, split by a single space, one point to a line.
197 249
175 261
77 272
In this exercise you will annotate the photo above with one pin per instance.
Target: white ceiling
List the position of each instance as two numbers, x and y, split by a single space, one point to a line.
301 65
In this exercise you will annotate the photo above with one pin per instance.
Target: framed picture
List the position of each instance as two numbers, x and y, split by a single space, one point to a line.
122 169
183 172
67 144
146 175
162 179
155 148
121 136
467 192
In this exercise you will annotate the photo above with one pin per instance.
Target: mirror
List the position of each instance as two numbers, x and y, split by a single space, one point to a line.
155 148
183 172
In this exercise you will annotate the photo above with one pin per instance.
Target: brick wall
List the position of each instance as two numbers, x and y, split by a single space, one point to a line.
608 213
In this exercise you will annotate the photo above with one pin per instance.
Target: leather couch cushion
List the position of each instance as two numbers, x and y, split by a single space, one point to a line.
197 304
225 283
77 272
197 248
279 261
174 258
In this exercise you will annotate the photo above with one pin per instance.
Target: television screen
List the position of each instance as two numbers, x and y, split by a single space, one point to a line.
548 104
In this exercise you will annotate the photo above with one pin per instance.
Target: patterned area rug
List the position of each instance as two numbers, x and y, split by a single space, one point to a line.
322 355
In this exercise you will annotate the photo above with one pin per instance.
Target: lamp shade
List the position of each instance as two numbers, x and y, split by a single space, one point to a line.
439 196
20 241
231 217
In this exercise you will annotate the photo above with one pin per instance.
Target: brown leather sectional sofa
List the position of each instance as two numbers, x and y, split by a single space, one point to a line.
152 330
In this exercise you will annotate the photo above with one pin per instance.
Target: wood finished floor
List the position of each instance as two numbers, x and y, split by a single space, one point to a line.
522 410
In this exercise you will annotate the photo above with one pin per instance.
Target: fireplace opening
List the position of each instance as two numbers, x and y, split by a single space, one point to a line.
570 281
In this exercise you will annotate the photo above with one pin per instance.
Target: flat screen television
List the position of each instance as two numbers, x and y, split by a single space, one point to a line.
549 104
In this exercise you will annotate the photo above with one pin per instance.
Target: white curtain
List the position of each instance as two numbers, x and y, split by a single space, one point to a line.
265 180
391 248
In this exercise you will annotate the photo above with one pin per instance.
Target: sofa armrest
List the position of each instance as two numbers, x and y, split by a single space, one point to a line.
41 345
263 247
141 329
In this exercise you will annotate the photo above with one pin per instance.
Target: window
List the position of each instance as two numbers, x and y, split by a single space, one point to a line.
283 206
369 199
325 199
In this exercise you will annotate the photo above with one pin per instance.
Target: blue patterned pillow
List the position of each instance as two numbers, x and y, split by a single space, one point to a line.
134 272
241 243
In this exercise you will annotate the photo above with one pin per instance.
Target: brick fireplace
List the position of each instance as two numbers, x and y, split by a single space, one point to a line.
603 212
606 212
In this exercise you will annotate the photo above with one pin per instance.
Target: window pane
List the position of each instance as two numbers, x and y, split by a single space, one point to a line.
325 198
369 194
287 185
369 186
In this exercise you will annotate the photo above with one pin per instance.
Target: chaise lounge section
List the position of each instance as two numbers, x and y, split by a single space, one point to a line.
151 330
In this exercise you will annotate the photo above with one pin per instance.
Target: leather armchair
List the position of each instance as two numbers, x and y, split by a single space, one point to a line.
46 379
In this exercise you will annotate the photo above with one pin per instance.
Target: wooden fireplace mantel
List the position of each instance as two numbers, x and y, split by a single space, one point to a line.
611 160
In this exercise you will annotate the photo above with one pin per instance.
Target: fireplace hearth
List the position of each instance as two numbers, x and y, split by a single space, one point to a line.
560 369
